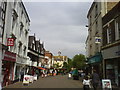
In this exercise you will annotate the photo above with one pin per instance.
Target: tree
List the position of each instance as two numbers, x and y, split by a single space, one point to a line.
65 65
79 61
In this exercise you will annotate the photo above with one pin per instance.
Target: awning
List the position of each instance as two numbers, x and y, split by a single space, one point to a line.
95 59
41 68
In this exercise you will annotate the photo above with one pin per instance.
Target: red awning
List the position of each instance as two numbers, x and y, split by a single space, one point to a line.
9 56
41 68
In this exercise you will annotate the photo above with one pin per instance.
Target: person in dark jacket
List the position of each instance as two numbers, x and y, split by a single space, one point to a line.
95 80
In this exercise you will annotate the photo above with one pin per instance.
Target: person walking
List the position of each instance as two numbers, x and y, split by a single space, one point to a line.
95 80
86 83
22 75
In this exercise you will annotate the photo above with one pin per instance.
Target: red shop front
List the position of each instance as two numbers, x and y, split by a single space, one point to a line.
8 68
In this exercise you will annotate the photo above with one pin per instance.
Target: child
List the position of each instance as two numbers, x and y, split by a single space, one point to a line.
86 83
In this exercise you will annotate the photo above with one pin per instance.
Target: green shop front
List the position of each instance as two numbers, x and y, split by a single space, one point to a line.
95 63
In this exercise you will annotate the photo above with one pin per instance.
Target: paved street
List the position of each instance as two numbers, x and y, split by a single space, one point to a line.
51 82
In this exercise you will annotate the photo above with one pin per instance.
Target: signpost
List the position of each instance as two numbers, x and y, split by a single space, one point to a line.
106 84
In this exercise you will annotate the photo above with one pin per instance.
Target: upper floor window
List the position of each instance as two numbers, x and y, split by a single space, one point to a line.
26 33
21 28
105 35
96 10
24 50
14 18
109 35
19 48
119 27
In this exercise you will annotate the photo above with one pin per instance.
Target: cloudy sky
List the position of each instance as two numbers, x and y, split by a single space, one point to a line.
60 25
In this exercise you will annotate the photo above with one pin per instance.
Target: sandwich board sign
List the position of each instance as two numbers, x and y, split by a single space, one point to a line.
106 84
26 79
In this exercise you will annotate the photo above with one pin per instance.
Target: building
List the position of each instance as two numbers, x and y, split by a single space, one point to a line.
94 39
15 38
48 60
59 61
111 44
36 53
2 23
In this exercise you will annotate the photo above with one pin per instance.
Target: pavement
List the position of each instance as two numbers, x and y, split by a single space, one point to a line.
51 82
59 81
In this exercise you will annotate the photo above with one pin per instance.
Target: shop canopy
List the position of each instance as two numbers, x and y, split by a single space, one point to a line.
41 68
96 58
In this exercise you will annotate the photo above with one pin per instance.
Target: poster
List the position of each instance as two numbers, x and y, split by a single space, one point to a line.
106 84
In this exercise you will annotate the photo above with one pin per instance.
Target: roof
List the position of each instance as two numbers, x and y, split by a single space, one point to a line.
93 4
60 58
25 10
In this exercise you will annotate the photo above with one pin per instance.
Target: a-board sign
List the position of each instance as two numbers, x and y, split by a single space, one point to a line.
106 83
26 79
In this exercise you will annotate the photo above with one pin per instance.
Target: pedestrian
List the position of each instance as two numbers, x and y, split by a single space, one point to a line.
70 75
95 80
22 75
86 83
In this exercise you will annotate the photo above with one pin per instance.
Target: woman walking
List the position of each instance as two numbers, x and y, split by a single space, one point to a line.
86 83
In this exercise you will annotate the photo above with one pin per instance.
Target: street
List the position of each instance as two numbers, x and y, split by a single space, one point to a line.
58 81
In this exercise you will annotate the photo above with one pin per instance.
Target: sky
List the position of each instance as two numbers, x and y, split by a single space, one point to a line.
60 25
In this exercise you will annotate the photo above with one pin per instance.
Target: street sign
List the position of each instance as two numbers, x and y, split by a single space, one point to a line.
10 42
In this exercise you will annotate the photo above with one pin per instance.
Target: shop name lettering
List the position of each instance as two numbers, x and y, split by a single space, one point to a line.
10 56
117 53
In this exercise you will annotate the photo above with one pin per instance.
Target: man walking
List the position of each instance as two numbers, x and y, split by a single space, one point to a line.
95 80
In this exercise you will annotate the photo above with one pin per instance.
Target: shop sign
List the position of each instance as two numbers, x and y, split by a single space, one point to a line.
9 56
10 42
98 40
106 83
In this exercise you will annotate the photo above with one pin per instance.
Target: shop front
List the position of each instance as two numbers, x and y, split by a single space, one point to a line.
94 63
8 63
111 58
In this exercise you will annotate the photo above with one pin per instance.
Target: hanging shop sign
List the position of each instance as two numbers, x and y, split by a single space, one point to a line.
106 84
98 40
10 42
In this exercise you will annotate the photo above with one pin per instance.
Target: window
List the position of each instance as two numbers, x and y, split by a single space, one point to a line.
105 35
26 33
96 27
119 27
109 35
14 18
21 28
24 50
96 10
19 48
